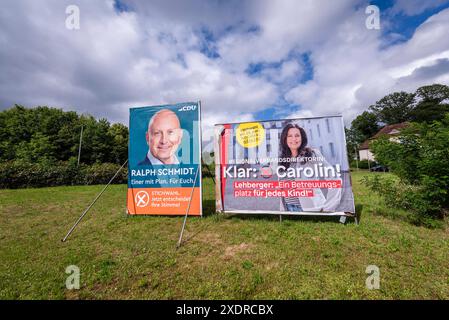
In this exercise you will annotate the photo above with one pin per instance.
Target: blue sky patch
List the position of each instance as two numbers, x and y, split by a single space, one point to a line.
120 6
399 27
208 45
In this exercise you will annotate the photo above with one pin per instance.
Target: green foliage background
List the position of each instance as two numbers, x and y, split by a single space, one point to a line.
428 103
39 147
46 134
419 158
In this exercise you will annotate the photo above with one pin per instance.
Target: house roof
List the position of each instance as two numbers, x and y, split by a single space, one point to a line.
392 130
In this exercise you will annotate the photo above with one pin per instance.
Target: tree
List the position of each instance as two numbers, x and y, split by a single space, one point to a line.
430 105
435 92
365 125
38 150
362 127
427 111
119 134
53 134
394 108
353 141
97 143
419 159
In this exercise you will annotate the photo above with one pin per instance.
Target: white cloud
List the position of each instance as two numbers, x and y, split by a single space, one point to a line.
115 61
352 72
430 38
283 26
153 55
288 72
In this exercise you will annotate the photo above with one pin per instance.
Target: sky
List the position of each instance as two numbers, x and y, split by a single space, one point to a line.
245 60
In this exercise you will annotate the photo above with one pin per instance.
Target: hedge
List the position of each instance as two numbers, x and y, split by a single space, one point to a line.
15 174
362 164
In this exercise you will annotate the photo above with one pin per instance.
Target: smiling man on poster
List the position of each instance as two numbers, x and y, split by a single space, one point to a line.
164 169
164 136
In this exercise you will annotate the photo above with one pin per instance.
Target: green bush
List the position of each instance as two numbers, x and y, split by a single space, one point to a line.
403 195
419 158
19 174
101 173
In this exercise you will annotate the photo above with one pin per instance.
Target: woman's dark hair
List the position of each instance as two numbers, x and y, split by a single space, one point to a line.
303 150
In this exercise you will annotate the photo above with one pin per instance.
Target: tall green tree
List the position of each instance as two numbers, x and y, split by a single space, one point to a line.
394 108
435 92
39 149
432 103
352 143
365 125
362 127
119 151
52 134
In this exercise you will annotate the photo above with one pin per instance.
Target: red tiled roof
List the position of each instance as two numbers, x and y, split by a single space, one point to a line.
385 130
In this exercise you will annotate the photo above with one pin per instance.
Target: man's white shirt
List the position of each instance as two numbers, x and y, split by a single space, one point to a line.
154 160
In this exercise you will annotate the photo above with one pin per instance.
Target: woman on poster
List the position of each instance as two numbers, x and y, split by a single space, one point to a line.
296 154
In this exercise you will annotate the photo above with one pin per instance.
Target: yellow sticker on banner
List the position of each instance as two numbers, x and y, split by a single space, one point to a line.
250 134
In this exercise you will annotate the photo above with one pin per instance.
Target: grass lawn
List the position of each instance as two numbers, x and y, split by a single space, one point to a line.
223 257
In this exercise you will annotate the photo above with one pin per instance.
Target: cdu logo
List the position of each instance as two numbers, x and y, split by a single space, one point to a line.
187 108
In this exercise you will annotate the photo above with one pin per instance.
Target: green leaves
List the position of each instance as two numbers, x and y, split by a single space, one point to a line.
425 105
420 159
44 134
394 108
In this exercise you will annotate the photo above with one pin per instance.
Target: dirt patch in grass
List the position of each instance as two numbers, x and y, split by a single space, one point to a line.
272 265
232 251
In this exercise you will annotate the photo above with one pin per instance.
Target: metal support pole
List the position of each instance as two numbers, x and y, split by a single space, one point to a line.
93 202
188 208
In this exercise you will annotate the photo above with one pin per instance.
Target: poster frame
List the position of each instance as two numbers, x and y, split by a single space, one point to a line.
219 205
200 150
